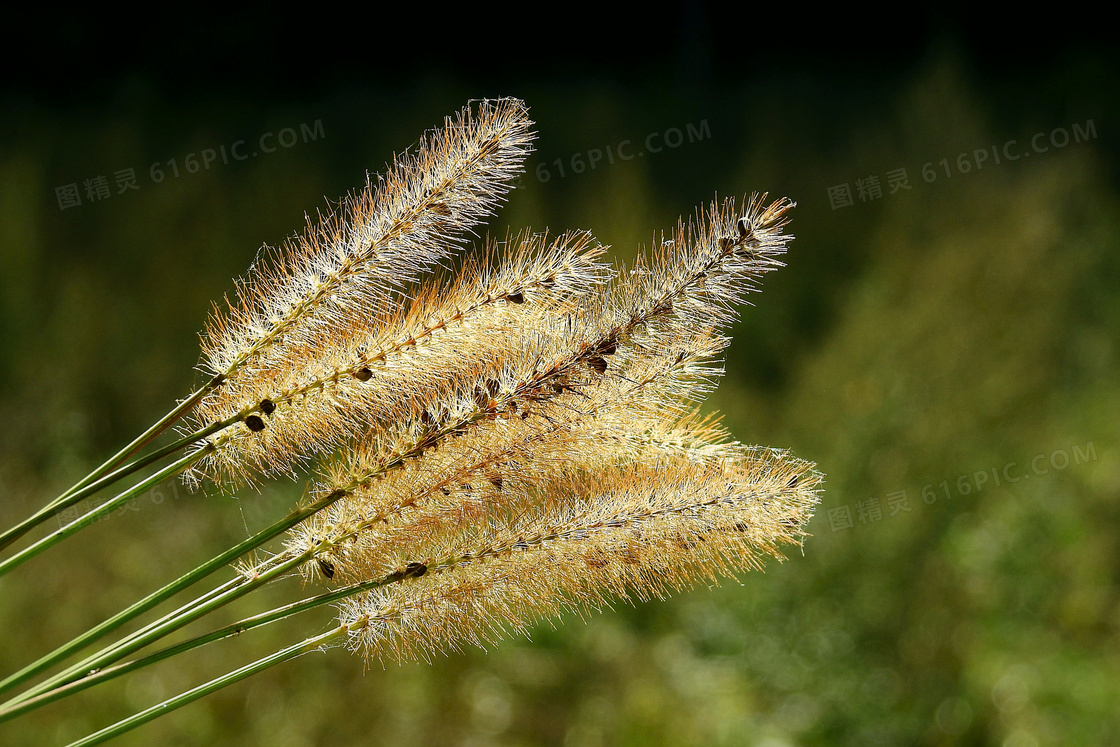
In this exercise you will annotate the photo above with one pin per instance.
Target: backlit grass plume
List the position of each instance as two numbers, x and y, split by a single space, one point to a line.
324 313
379 368
640 531
509 441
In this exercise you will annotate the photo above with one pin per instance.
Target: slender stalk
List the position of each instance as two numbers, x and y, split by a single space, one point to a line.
218 683
173 621
72 528
73 496
168 591
22 706
165 625
228 631
140 441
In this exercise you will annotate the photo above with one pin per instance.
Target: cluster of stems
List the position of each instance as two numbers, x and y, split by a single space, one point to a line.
514 440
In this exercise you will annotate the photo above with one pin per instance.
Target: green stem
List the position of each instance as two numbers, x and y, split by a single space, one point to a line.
194 610
218 683
167 624
73 496
228 631
157 428
159 596
173 621
106 508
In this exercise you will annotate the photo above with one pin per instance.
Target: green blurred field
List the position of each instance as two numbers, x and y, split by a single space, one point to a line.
915 343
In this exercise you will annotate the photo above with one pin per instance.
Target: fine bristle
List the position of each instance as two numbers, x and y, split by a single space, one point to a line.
518 440
351 269
638 532
379 370
573 468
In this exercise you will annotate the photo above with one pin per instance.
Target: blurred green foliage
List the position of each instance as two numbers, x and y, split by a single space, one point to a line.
917 341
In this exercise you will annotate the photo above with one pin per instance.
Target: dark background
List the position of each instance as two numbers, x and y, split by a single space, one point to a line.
915 341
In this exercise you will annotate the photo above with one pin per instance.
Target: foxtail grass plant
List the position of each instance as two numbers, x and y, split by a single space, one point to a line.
511 441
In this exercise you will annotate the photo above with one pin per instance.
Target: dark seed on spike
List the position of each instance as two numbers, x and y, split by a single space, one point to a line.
496 481
517 297
744 227
598 363
268 406
599 560
415 570
683 543
363 374
792 482
254 423
326 567
609 348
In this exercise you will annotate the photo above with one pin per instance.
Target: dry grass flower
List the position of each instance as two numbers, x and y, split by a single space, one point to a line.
501 444
641 530
593 401
313 317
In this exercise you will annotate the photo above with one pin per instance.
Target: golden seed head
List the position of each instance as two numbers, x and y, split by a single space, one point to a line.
634 532
512 442
348 275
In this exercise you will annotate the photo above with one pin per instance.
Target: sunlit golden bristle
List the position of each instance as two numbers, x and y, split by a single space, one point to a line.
609 380
349 272
635 532
516 441
381 370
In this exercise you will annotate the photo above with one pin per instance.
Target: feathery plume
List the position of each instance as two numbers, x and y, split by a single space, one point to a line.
611 384
341 277
381 238
639 531
379 371
513 443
